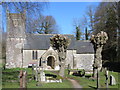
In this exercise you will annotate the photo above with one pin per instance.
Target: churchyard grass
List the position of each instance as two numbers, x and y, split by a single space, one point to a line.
86 82
10 79
64 84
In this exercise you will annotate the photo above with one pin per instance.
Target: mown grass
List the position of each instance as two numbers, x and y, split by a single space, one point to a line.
86 82
10 79
64 84
32 84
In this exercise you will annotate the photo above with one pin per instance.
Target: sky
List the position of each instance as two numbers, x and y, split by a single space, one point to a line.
65 12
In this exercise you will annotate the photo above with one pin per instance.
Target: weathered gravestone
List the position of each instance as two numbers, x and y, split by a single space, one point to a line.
23 79
68 69
36 74
106 76
112 80
42 76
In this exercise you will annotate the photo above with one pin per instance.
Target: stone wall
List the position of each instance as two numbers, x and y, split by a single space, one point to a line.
69 58
83 61
14 52
27 57
15 39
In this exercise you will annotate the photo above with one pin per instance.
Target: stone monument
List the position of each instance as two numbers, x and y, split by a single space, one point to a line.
112 80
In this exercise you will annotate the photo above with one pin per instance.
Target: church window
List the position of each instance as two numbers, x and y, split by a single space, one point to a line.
34 55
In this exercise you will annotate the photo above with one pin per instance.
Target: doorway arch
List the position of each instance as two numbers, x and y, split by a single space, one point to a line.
51 62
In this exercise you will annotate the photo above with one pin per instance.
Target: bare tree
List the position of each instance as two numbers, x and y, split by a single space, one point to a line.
31 9
22 12
88 21
90 13
44 24
77 25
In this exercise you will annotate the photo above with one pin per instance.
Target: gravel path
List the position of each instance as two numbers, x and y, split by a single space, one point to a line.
75 84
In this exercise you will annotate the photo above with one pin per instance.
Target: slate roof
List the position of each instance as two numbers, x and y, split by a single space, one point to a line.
83 46
42 42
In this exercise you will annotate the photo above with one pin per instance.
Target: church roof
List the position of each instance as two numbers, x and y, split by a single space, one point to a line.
84 46
42 42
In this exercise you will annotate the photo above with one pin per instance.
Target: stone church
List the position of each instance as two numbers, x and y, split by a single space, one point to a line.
25 49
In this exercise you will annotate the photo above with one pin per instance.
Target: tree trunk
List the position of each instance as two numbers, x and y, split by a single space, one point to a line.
62 69
95 72
98 79
98 61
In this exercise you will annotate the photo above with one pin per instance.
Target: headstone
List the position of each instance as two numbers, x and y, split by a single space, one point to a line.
60 80
68 69
57 67
112 80
23 79
106 75
42 76
36 74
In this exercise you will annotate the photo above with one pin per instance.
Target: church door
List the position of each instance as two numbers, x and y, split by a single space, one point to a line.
51 62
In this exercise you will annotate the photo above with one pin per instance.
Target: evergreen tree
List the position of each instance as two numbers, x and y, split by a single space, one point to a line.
78 34
105 20
86 34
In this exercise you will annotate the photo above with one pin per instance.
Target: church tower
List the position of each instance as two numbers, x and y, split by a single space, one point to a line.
15 39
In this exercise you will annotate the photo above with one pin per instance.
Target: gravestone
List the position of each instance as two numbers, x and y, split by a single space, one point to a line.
112 80
42 76
68 69
106 76
36 74
23 79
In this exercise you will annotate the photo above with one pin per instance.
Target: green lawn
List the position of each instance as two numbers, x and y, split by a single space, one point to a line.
91 83
32 84
10 80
